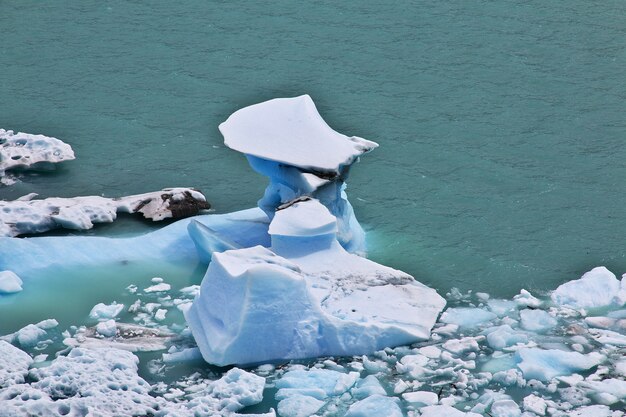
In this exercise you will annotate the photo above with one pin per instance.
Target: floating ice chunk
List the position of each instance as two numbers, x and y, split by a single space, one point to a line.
596 288
185 355
9 282
504 336
444 411
467 316
526 299
128 337
614 387
162 287
505 408
546 364
368 386
592 411
291 131
107 328
160 314
24 151
103 311
502 307
535 404
432 352
299 406
463 345
14 364
315 383
305 297
35 216
375 406
232 392
537 320
420 398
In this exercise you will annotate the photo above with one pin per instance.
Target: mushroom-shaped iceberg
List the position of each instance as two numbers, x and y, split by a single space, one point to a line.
287 140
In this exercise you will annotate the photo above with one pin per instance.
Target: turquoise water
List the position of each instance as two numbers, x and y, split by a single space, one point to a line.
501 124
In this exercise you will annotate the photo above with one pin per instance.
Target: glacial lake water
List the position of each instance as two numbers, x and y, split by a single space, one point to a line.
501 125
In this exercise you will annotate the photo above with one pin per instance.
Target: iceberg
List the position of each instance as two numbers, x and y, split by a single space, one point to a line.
26 151
304 297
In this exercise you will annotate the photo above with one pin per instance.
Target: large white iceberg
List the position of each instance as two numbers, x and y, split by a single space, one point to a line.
305 296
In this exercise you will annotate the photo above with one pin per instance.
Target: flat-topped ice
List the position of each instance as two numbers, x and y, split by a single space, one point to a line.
291 131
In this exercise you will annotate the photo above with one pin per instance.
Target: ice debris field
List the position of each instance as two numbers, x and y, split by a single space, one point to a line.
287 317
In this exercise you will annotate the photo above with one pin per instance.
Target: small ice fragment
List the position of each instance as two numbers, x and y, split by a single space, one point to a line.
526 299
420 398
157 280
545 364
505 408
107 328
466 317
299 406
160 314
185 355
375 406
9 282
29 335
537 320
432 352
535 404
103 311
158 288
504 336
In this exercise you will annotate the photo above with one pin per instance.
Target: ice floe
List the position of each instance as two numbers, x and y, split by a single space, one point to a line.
29 216
26 151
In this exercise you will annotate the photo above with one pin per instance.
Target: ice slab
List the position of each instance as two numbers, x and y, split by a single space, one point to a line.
305 297
28 216
26 151
545 364
291 131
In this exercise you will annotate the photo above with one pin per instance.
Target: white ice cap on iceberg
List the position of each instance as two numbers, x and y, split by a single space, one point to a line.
291 130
